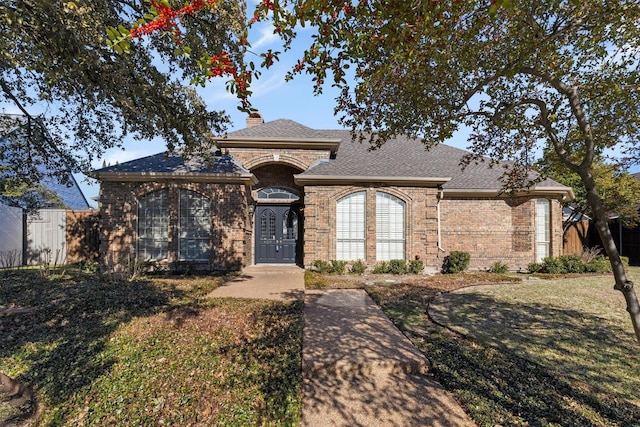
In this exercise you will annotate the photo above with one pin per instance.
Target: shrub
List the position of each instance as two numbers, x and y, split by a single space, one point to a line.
572 263
338 267
358 267
398 266
552 266
322 267
599 264
416 266
534 267
499 268
456 262
382 267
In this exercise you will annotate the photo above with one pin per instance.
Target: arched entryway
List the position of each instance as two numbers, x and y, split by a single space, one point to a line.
278 215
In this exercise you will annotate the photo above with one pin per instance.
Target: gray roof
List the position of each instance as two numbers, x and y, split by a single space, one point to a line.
174 163
281 128
399 157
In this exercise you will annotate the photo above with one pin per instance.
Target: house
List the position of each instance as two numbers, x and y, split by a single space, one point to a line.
280 192
38 224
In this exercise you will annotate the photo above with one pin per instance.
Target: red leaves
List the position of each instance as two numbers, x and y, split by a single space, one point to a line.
167 18
221 65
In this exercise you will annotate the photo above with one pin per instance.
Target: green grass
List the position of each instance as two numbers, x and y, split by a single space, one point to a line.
538 353
153 351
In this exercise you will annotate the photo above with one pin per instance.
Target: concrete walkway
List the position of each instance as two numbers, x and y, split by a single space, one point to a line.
358 369
277 282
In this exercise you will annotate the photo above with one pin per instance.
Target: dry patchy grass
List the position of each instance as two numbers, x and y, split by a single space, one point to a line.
542 353
154 351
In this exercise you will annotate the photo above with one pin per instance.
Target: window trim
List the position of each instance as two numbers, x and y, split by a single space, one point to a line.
543 227
384 227
360 241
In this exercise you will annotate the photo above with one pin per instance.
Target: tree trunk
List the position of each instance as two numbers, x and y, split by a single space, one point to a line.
623 284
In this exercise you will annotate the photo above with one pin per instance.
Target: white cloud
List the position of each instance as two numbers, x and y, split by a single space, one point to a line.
266 36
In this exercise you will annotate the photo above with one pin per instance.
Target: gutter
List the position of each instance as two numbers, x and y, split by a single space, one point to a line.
307 179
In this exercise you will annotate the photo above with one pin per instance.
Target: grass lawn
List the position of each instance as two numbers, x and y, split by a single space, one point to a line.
151 352
535 353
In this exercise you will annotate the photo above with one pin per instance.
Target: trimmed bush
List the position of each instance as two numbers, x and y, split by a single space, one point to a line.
552 265
416 266
382 267
499 268
534 267
398 266
338 267
358 267
572 264
456 262
322 267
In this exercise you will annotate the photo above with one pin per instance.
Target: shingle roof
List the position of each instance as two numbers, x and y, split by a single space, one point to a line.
281 128
174 163
399 157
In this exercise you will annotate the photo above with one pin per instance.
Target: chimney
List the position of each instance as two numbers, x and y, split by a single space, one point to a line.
254 119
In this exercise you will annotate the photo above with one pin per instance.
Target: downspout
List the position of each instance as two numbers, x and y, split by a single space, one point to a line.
439 197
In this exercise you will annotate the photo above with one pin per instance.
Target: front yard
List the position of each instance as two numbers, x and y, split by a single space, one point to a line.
149 352
156 351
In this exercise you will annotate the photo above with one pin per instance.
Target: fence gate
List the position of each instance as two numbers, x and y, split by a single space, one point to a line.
46 237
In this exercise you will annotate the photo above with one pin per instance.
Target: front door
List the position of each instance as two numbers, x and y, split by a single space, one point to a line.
277 229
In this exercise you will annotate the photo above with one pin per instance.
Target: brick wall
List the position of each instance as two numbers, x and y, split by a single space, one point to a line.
250 158
489 229
231 232
496 230
320 221
276 175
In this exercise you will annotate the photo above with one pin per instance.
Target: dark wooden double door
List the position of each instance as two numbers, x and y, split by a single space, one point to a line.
277 234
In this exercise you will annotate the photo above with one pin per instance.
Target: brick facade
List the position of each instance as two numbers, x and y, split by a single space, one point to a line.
231 231
437 218
302 159
493 230
320 221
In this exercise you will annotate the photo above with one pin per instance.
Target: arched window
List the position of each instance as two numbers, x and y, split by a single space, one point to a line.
194 227
350 227
543 229
277 193
153 226
389 227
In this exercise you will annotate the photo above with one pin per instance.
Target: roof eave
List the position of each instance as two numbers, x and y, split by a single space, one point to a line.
565 194
361 179
184 176
331 144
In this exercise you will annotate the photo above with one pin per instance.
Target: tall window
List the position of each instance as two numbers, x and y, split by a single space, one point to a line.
350 227
389 227
543 229
194 226
153 225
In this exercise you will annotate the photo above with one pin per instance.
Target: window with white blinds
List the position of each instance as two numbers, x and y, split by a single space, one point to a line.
543 229
350 227
389 227
153 226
